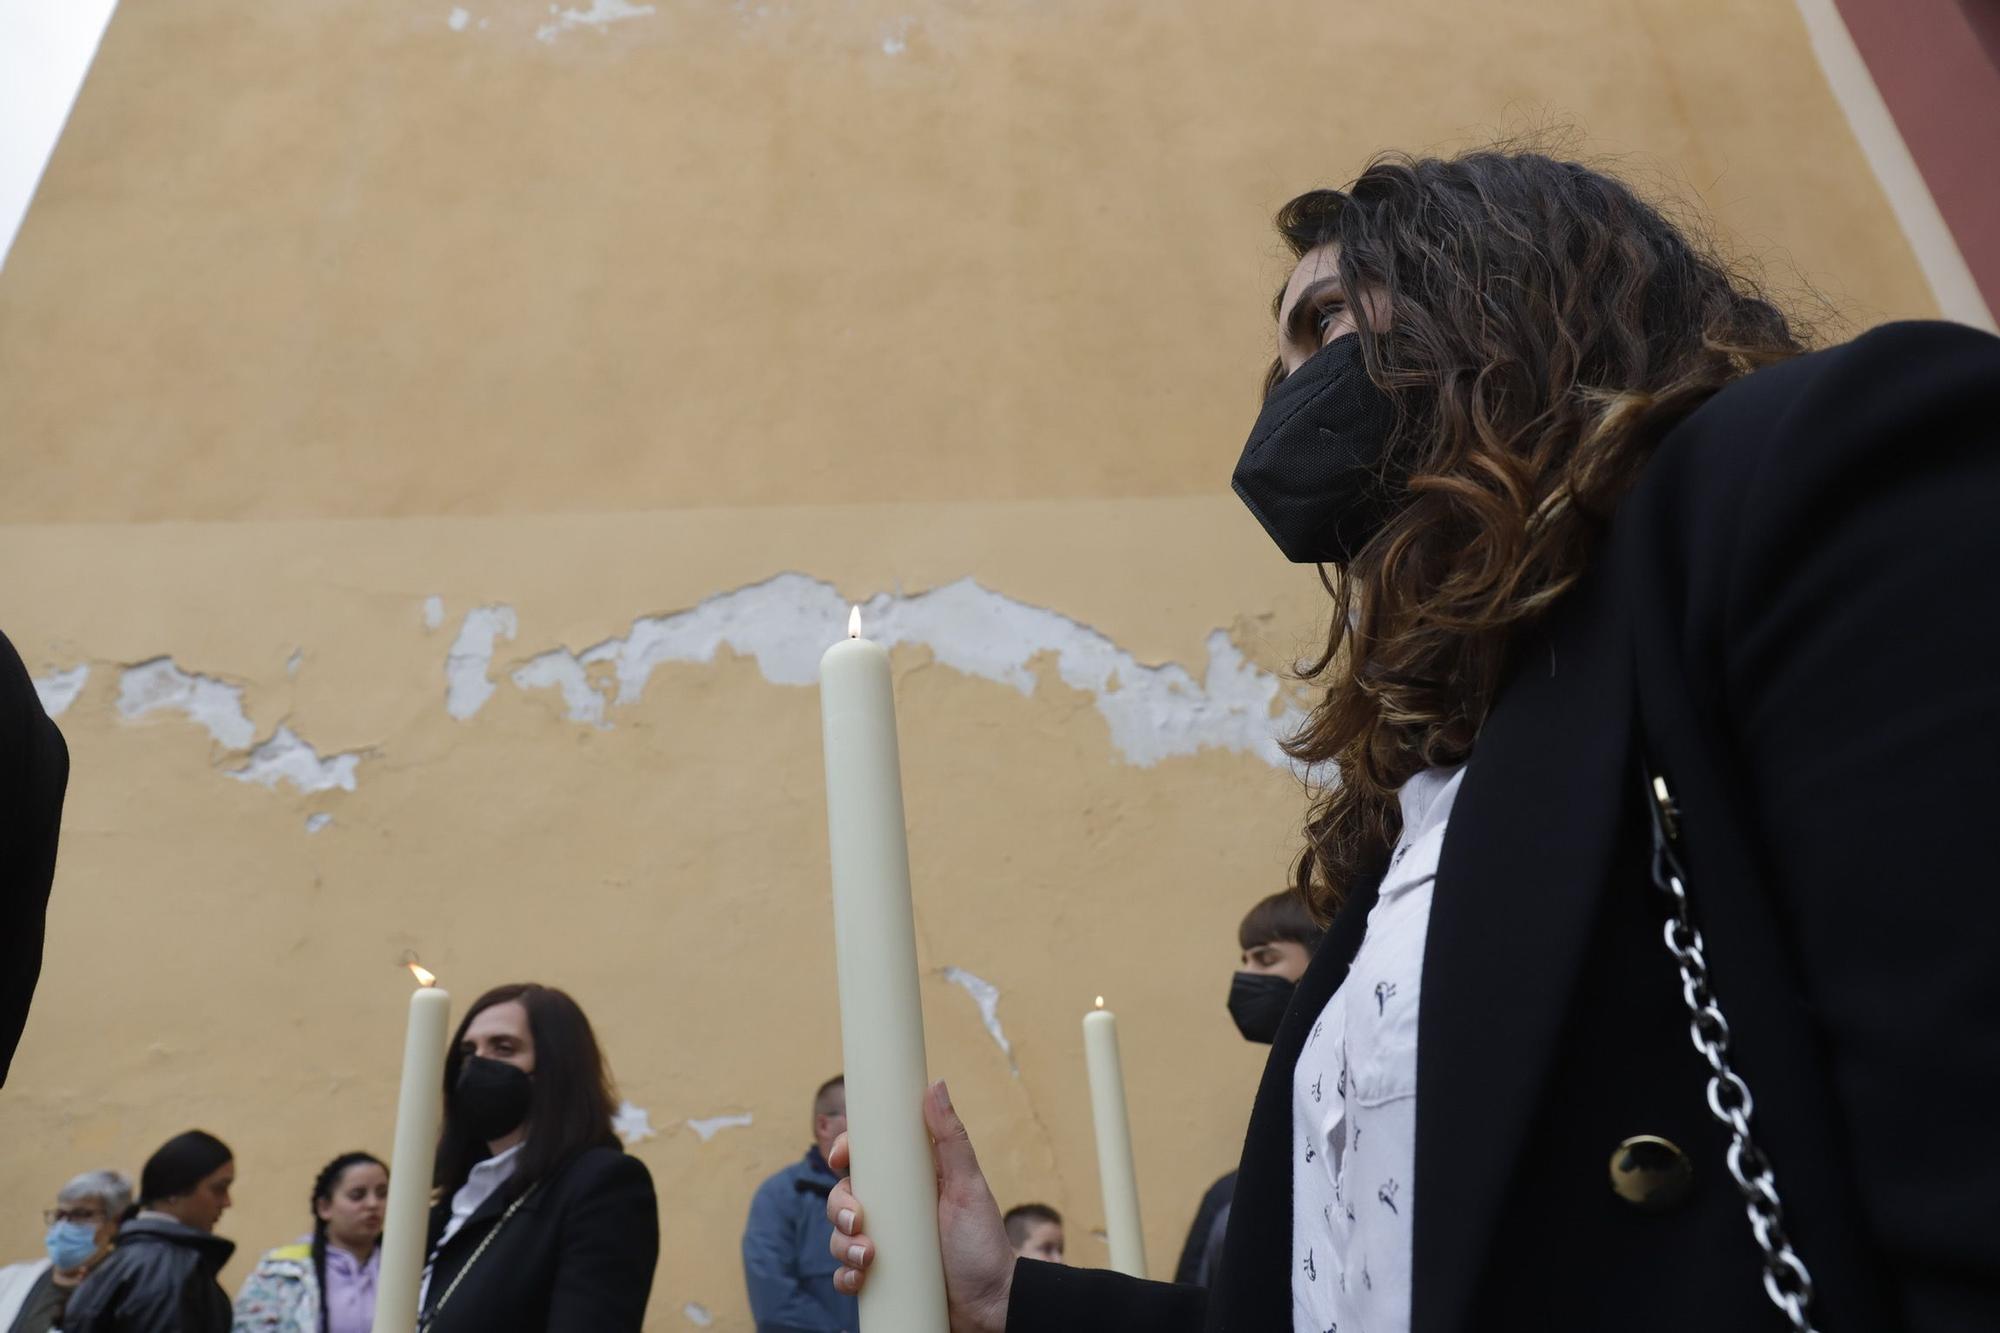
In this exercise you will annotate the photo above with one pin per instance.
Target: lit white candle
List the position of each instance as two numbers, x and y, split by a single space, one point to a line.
881 1016
407 1222
1115 1174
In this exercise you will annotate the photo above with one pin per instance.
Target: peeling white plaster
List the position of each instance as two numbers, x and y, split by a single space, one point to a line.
466 686
633 1124
295 661
217 707
697 1314
601 15
564 671
987 996
214 704
786 622
458 20
896 39
286 758
59 689
314 823
715 1124
433 612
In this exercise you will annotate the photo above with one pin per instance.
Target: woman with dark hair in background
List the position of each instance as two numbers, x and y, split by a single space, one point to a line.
326 1282
1660 693
161 1274
542 1222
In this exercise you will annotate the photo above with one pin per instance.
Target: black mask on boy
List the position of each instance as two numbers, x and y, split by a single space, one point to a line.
1257 1001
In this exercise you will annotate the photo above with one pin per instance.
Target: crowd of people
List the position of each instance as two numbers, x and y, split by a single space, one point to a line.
541 1220
527 1114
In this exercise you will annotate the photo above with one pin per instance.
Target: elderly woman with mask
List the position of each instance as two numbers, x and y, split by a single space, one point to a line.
81 1226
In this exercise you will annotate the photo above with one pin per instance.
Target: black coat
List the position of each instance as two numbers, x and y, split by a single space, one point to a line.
159 1279
577 1258
34 769
1794 619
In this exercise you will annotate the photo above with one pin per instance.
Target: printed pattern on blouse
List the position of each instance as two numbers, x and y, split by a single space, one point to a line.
1354 1099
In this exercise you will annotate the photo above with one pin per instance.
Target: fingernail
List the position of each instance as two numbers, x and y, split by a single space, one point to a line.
944 1095
846 1220
855 1254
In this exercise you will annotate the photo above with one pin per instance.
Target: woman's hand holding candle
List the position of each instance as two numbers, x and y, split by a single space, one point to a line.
978 1259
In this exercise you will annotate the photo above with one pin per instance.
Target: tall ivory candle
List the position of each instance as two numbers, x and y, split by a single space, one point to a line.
881 1017
1115 1174
407 1222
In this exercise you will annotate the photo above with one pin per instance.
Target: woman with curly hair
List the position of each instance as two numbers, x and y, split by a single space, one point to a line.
1658 708
325 1283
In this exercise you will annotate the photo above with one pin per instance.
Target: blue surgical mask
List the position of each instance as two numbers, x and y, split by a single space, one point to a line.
70 1244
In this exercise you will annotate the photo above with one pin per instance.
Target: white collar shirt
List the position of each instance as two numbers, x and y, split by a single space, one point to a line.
1354 1098
480 1184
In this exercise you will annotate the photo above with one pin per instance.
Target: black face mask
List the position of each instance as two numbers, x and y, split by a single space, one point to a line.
1311 471
1257 1001
491 1099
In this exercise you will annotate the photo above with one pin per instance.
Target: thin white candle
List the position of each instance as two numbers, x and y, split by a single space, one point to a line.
1115 1173
407 1221
881 1015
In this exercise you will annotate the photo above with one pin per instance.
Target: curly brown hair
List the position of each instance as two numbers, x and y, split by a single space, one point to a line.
1545 327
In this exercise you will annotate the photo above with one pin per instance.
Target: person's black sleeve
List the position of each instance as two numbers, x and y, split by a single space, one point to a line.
1054 1298
1862 637
34 769
610 1244
1196 1247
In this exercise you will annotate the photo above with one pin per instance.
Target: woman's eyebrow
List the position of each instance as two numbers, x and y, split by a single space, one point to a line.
1298 324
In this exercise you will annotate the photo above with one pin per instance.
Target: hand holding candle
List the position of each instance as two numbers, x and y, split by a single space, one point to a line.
1115 1173
881 1016
406 1223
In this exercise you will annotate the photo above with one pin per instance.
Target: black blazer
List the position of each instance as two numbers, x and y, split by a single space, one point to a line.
577 1258
34 769
1795 619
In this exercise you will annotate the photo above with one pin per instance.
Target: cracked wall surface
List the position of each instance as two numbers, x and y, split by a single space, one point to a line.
1086 762
426 540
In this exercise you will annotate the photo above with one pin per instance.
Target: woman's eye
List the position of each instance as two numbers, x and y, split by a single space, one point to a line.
1328 313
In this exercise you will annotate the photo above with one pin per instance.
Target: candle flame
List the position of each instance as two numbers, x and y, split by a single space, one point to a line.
424 976
854 623
1100 1002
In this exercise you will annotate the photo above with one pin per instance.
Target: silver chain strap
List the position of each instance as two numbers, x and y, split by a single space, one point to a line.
1786 1281
424 1323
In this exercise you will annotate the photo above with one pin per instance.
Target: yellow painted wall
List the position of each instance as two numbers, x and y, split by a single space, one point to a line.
328 309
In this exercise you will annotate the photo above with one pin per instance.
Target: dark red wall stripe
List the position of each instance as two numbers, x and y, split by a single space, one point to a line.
1937 64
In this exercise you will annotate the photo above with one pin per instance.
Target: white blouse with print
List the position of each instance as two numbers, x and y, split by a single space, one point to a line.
1354 1099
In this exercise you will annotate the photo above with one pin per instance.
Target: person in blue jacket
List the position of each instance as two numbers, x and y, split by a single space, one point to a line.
786 1260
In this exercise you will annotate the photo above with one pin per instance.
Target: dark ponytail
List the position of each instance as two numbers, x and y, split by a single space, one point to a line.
323 1188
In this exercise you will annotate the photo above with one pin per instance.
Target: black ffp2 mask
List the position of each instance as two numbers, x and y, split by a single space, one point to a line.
491 1099
1257 1001
1312 470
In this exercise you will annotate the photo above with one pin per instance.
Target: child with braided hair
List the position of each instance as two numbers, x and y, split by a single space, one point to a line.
325 1283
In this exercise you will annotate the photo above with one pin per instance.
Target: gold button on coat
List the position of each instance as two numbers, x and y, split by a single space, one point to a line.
1650 1173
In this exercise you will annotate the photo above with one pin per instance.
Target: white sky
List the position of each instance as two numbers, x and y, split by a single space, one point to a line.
45 47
